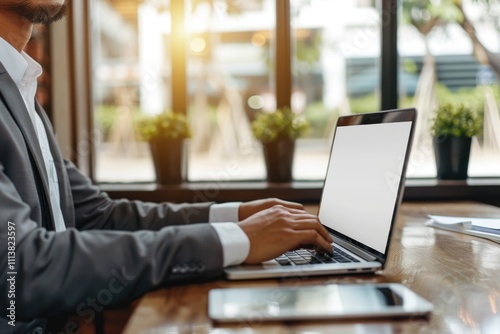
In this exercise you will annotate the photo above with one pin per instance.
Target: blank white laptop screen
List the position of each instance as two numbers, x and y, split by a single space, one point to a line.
361 188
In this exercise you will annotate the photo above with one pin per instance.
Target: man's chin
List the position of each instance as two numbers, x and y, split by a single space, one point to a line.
38 13
47 17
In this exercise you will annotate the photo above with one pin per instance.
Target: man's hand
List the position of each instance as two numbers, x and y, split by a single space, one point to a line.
278 229
250 208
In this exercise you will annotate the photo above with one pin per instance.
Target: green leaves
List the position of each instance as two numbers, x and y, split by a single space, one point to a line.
283 123
456 120
167 125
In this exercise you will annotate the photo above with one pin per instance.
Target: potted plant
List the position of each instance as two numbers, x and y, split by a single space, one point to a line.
166 134
453 127
278 131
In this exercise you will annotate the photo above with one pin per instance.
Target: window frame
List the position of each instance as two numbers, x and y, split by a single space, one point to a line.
81 144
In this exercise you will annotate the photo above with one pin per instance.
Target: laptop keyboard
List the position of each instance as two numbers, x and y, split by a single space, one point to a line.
311 256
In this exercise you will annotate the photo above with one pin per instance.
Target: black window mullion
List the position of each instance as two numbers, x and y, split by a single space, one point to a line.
389 55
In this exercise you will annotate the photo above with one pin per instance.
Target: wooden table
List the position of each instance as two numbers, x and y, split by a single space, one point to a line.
458 273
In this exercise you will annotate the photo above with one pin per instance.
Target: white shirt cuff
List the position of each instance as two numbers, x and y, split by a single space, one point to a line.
235 243
226 212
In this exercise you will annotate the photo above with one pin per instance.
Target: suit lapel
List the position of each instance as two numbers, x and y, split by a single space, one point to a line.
15 104
64 186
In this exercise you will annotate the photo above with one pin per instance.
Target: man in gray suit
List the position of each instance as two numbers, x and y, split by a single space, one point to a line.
66 247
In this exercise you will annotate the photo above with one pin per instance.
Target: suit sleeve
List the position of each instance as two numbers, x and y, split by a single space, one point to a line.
95 210
68 272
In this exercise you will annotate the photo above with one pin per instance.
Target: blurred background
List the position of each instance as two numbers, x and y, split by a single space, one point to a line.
449 51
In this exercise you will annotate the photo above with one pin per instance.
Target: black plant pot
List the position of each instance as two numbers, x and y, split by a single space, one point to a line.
452 157
278 156
169 160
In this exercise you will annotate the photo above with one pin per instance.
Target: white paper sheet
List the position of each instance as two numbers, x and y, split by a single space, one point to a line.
465 221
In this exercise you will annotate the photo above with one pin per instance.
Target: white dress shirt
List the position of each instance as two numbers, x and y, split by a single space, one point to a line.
235 243
25 72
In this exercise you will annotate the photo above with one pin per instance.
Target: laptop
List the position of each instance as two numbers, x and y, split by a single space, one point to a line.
361 195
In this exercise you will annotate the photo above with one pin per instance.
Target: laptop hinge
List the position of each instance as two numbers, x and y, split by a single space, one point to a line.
356 250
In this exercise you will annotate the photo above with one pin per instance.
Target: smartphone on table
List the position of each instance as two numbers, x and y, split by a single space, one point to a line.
318 302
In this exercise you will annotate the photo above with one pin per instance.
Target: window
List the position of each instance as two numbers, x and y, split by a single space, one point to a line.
230 63
131 74
451 52
230 77
335 71
228 54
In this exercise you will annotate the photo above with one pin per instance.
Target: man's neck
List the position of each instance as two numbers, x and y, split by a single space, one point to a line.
15 30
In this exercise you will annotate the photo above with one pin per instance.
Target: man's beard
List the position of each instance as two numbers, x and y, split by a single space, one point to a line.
37 13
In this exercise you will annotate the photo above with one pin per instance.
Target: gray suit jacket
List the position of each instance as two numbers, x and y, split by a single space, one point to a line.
98 261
